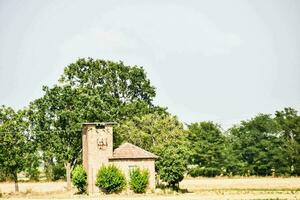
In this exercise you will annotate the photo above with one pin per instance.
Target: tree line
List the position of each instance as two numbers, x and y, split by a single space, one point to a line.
48 131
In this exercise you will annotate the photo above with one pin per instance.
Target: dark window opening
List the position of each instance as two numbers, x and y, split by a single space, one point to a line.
100 126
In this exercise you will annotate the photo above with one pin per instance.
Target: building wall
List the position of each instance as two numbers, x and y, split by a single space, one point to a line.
97 147
126 164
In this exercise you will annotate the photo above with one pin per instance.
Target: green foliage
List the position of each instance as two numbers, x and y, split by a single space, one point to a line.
32 168
17 145
202 171
109 90
33 173
4 176
207 144
151 131
139 180
263 145
258 144
289 122
79 178
110 179
172 163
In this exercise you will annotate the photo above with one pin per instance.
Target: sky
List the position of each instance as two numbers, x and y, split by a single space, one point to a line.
223 61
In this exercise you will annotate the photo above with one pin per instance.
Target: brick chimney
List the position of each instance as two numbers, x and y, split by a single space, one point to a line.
97 147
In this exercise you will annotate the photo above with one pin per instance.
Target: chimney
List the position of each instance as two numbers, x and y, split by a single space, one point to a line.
97 147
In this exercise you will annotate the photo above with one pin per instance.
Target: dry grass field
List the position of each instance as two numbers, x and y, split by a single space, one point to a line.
197 188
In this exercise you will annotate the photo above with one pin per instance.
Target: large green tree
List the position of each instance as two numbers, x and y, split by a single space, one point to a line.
17 151
257 143
56 123
88 90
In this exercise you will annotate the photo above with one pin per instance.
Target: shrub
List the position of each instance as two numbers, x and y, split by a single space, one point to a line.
139 180
110 179
202 171
79 178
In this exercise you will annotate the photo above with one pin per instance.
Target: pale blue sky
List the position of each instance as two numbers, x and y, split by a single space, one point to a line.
209 60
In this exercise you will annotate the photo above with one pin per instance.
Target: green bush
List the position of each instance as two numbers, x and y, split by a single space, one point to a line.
79 178
139 180
110 179
202 171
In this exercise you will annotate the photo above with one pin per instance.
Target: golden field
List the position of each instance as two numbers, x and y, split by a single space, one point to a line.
196 188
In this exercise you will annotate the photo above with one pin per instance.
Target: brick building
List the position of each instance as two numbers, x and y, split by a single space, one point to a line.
97 150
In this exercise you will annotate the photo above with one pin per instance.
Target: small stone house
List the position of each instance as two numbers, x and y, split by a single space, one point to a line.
97 150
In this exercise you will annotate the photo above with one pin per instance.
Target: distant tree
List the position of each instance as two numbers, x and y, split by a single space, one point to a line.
258 144
232 163
88 90
207 144
289 122
17 145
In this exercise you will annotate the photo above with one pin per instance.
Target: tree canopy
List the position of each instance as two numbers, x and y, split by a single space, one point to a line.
88 90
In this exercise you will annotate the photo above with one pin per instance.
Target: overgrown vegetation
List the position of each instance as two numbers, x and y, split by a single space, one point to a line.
110 179
139 180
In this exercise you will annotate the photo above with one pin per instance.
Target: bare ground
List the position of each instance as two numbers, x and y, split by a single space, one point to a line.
198 188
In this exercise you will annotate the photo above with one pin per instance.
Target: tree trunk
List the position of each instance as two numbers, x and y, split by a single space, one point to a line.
16 182
68 173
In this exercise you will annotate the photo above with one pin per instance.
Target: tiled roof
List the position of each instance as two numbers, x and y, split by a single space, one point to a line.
130 151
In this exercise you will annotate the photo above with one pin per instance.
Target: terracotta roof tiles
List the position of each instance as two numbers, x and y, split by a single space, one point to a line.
130 151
